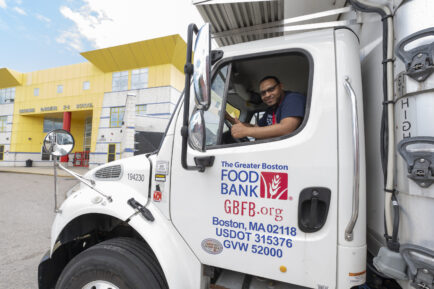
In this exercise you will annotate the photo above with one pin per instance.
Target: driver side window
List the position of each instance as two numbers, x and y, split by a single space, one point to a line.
235 92
213 115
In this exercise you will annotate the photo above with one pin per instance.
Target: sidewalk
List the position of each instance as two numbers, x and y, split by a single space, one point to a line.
48 171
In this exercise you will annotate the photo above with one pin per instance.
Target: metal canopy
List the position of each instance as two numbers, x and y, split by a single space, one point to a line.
228 16
239 15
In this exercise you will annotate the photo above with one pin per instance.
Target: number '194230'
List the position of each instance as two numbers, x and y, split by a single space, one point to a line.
136 177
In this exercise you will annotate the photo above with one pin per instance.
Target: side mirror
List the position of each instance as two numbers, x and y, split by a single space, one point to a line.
196 131
202 67
58 142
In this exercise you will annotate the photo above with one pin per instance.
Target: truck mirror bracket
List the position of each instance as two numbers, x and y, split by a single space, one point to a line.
188 68
203 162
216 55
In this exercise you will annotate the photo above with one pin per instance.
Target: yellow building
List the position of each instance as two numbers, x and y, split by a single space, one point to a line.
91 97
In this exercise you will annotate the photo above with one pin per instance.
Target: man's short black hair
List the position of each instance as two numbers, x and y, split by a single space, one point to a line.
270 77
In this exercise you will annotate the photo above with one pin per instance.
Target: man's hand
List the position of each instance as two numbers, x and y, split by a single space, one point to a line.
239 129
286 126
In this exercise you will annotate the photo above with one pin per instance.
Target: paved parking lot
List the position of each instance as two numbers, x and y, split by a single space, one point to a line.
26 215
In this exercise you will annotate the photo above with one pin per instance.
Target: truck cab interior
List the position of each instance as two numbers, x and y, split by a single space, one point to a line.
235 86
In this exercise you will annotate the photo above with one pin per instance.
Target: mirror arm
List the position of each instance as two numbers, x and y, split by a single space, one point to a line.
87 182
75 175
188 70
56 209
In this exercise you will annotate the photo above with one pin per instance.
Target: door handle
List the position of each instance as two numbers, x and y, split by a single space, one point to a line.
313 206
313 218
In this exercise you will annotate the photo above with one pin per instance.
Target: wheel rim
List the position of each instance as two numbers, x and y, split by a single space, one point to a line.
100 284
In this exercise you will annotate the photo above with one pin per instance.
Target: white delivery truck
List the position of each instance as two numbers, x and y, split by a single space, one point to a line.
344 199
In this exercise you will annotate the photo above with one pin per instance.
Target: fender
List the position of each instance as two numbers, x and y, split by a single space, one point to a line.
180 266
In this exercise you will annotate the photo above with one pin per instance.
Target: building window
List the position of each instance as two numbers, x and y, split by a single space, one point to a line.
36 92
2 151
120 81
141 109
45 156
60 88
52 123
3 123
86 85
7 95
87 133
117 116
139 78
111 155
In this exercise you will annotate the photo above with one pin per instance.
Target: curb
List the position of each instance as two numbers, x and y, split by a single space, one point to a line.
15 170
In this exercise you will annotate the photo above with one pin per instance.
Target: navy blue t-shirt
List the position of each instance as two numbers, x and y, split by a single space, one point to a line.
292 105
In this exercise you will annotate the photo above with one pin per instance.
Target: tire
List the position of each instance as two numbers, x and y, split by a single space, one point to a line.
121 263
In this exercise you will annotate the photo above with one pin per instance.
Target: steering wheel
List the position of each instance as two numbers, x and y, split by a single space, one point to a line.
238 140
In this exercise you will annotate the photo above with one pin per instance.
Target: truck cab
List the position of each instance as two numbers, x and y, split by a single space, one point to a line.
275 202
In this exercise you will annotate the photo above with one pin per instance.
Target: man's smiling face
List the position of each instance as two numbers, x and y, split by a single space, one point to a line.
271 91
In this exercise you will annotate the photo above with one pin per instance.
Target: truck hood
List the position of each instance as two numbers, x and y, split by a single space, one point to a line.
133 172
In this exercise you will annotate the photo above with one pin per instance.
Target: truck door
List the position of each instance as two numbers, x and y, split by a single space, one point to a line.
267 207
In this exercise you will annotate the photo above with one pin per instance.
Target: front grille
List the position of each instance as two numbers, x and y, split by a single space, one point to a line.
110 172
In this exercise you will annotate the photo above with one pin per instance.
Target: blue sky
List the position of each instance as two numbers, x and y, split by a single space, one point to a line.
39 34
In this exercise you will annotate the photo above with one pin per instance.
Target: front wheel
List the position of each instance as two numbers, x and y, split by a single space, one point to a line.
121 263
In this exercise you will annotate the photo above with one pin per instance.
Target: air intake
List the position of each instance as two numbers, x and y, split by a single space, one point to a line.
110 172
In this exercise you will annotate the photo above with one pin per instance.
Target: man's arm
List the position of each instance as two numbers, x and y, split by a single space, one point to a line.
286 126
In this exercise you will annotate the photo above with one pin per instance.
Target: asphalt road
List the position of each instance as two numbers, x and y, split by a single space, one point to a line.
26 215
